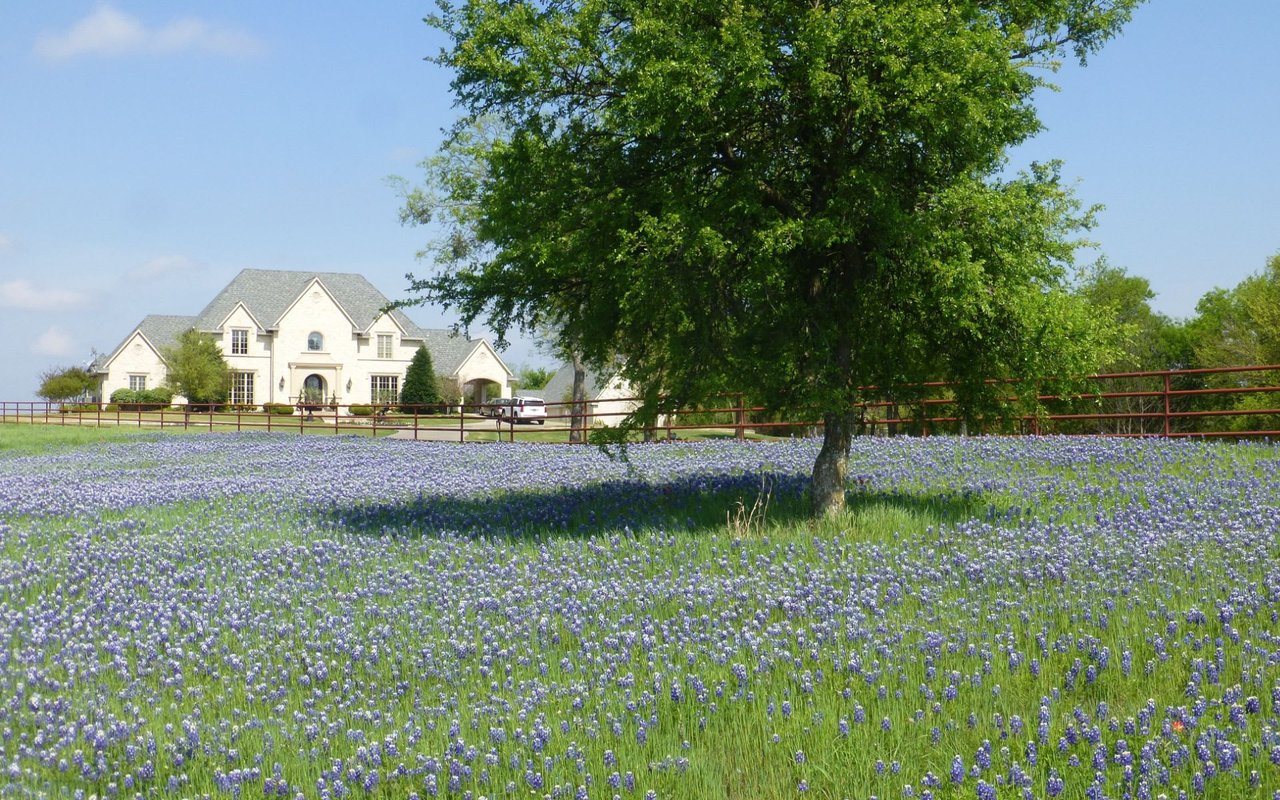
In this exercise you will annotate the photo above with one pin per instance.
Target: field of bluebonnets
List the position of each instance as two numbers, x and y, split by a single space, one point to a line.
249 616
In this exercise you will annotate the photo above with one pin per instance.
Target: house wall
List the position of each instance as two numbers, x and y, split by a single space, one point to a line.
367 364
316 311
609 408
257 361
482 369
136 357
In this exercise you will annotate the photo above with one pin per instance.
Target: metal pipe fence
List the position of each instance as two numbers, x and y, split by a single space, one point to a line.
1219 402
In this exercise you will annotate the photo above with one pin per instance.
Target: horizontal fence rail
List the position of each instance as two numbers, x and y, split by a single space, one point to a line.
1217 402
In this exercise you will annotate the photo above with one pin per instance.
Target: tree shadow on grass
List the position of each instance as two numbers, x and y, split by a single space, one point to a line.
743 503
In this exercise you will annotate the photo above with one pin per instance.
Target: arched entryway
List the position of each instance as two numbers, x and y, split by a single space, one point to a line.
479 391
313 389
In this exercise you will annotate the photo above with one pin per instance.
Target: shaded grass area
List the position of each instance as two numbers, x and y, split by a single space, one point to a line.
744 505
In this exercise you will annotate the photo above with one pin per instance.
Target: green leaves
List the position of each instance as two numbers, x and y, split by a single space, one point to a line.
798 200
197 369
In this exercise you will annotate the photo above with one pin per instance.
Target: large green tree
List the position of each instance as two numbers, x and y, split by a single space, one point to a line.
67 383
197 369
1143 339
793 199
1241 326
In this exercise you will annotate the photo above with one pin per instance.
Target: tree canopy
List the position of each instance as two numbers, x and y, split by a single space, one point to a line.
796 200
67 383
197 369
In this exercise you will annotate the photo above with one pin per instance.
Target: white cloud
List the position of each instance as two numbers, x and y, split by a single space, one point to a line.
54 342
26 295
164 266
109 32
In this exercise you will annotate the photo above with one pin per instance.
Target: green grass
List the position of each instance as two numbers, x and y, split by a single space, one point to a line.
36 439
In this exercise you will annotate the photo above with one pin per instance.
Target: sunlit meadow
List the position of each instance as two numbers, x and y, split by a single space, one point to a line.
269 616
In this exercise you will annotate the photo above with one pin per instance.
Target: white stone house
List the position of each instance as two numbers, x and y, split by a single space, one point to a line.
608 396
290 334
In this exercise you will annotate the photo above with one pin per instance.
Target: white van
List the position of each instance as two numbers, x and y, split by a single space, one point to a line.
524 409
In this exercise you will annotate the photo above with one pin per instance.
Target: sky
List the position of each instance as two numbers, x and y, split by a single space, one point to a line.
149 151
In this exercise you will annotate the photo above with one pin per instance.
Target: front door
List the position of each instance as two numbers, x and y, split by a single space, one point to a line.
313 389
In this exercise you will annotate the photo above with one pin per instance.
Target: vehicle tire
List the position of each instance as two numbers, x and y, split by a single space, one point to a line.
542 421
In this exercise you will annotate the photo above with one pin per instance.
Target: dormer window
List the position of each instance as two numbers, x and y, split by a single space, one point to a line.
315 342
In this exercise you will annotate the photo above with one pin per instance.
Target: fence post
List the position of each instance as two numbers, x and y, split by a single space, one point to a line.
740 420
1166 404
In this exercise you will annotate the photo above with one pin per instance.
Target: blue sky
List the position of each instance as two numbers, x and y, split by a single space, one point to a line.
149 151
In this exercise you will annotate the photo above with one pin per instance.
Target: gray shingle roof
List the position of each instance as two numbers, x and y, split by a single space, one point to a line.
268 293
560 387
163 330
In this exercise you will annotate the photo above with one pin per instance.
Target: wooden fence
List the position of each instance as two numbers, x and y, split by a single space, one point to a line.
1222 402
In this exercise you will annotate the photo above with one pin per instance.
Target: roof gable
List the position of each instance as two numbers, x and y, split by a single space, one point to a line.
314 284
223 322
268 294
159 331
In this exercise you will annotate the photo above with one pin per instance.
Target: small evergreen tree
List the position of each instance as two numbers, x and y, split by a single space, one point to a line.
420 387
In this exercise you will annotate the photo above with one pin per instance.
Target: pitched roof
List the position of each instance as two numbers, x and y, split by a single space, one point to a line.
268 294
161 330
448 350
560 387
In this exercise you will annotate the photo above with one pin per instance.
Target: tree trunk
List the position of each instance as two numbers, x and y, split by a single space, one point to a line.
830 470
578 432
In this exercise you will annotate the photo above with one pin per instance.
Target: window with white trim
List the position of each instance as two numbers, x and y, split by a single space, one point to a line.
239 341
315 342
385 344
384 389
137 383
242 388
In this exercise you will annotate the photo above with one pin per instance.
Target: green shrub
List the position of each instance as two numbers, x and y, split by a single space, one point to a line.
78 408
143 399
362 411
282 409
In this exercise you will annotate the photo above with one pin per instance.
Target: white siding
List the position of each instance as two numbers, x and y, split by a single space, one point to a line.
608 408
315 311
257 360
136 357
